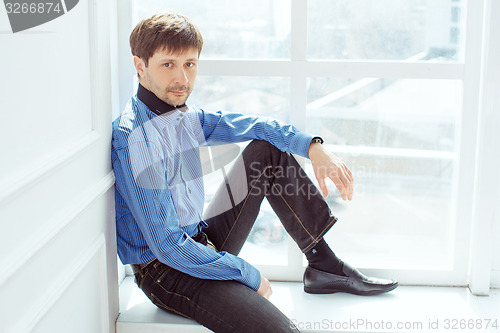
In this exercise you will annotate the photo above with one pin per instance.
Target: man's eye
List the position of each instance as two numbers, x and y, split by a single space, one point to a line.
168 65
190 64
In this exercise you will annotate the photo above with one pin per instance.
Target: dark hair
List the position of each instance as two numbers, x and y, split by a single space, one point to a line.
167 31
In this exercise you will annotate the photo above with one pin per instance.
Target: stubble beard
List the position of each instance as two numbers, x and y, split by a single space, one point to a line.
177 100
162 93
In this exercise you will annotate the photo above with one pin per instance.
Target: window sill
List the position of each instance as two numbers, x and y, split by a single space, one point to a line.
417 308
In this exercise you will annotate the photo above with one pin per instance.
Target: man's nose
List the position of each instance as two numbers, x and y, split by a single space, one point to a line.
181 77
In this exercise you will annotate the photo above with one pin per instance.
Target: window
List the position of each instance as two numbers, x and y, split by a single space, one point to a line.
399 138
233 29
384 29
383 83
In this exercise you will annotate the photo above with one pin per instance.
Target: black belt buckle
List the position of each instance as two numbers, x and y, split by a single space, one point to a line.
200 237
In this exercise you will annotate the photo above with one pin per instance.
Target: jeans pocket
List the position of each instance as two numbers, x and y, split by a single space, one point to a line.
158 302
142 278
162 273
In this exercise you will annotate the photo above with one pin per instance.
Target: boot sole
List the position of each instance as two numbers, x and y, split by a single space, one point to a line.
354 292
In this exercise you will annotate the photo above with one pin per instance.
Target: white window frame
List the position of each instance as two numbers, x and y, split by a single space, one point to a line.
486 211
299 68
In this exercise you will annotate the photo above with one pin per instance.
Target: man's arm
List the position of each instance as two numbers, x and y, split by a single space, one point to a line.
151 205
234 127
237 127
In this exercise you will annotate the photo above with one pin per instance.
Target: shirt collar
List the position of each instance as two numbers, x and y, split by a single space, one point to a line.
155 104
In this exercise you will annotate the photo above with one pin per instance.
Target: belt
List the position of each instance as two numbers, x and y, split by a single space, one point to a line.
200 237
139 267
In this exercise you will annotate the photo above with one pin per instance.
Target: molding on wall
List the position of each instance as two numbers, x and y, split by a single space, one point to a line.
100 65
20 256
95 75
103 287
495 279
58 288
94 70
46 166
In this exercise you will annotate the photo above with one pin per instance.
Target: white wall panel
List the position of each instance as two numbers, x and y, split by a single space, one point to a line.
88 290
484 252
58 270
495 272
48 202
45 90
83 292
27 290
494 71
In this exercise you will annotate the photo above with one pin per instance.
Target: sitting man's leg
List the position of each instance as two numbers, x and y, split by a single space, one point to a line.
264 171
222 306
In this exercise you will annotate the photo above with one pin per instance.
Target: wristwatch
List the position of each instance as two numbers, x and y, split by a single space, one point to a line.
317 139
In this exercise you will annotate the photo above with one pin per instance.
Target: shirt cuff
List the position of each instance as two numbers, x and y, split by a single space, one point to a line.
251 277
300 144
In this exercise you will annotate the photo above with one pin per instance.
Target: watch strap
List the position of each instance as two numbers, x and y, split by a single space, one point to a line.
317 139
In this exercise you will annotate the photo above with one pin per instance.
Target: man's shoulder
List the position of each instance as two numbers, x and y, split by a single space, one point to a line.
129 119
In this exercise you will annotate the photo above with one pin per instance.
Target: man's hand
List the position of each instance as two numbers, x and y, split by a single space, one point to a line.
328 165
265 288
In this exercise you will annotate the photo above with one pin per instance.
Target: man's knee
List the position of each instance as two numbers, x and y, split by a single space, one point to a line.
261 147
259 144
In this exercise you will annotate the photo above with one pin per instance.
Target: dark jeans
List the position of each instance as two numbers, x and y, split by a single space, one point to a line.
229 306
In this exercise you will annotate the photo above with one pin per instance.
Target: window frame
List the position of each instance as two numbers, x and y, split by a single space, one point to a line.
299 68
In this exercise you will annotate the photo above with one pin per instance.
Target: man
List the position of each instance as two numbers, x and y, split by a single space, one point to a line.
187 263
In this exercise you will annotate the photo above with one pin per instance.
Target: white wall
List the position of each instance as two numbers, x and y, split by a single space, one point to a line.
57 236
491 105
495 73
485 251
495 272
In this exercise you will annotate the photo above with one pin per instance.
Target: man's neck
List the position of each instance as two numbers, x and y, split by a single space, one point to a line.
153 102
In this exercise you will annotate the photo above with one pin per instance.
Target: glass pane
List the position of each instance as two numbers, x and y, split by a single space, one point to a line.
233 28
264 96
386 29
399 137
389 113
396 220
268 240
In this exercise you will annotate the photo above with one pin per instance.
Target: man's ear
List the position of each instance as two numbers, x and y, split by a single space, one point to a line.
139 65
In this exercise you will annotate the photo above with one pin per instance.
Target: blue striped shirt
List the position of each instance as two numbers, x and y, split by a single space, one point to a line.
159 194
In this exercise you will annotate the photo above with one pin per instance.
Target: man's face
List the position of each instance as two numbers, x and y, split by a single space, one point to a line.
169 76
